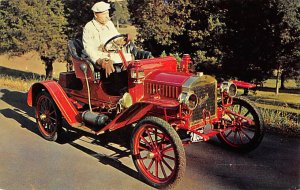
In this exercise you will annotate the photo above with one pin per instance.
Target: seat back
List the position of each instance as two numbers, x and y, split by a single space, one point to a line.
75 48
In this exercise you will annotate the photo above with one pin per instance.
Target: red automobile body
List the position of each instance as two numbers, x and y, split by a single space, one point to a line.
156 93
154 87
160 74
168 105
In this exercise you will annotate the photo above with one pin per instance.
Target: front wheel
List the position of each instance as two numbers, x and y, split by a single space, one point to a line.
158 153
48 116
246 126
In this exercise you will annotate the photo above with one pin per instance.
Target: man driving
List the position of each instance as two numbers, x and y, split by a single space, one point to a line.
96 33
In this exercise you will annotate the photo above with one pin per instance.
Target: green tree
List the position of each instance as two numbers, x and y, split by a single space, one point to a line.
247 39
181 26
38 25
244 39
288 57
261 36
120 13
78 13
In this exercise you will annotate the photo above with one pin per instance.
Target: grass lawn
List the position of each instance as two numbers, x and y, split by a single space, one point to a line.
271 83
287 100
282 101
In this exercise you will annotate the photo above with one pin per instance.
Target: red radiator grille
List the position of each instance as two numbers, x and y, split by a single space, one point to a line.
163 90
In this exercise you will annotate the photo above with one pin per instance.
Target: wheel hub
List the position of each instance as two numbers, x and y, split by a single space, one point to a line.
154 154
43 116
150 155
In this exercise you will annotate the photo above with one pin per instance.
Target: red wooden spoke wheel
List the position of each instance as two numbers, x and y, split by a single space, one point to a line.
247 128
48 116
157 152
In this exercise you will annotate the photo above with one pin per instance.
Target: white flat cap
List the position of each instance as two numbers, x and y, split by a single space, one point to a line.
100 7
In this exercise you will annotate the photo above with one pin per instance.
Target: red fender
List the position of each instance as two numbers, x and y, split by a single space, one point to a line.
131 115
61 99
242 84
136 112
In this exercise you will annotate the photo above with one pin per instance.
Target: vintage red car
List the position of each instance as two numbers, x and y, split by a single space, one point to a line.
167 105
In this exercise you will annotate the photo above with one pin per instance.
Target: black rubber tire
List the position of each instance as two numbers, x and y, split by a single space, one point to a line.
169 135
49 127
257 129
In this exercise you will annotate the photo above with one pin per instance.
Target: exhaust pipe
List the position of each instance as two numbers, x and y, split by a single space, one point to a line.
94 119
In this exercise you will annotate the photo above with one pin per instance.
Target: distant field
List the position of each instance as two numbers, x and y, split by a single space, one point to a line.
271 83
29 62
292 98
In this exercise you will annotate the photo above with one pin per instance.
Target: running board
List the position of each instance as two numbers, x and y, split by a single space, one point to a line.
84 128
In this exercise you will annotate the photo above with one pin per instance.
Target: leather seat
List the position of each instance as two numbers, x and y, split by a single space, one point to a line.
75 48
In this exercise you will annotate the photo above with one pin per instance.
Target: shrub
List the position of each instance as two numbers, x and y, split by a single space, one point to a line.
282 122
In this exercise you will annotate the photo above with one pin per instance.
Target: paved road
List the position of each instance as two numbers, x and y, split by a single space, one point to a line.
27 161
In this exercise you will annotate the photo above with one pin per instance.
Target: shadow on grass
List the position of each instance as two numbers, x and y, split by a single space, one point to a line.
269 89
20 74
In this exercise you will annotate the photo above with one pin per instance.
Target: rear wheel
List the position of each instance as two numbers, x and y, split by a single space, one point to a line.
247 128
157 152
48 116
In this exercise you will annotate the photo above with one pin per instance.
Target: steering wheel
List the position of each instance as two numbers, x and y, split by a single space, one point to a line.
114 46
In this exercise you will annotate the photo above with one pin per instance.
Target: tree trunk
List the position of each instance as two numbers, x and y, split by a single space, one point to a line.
49 71
282 78
48 67
277 82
